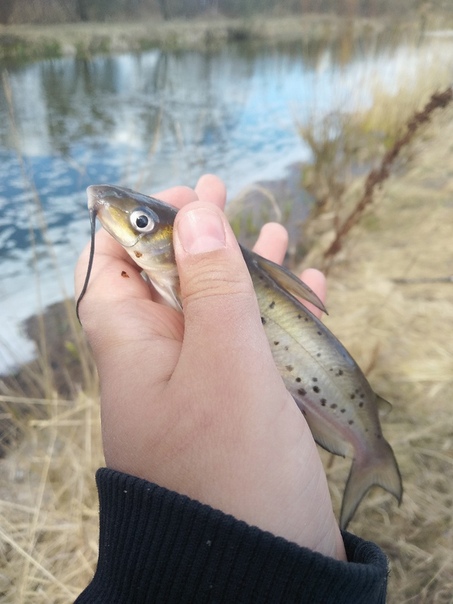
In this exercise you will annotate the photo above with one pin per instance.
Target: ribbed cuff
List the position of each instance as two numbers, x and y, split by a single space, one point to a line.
159 546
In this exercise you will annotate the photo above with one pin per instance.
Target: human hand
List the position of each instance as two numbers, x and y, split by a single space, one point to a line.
195 403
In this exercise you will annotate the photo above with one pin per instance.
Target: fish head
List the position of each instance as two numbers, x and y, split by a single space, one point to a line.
143 226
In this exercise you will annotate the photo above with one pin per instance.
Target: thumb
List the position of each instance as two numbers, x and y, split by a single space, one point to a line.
217 293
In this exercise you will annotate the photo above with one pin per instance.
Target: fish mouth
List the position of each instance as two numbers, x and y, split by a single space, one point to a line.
97 195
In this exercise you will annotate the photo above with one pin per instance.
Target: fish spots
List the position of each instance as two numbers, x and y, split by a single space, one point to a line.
289 367
339 372
124 275
323 402
350 422
302 391
298 380
352 396
316 388
361 404
299 316
263 321
333 406
138 254
319 332
276 342
272 304
343 410
318 354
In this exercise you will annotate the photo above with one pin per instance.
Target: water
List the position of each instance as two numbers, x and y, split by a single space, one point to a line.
149 121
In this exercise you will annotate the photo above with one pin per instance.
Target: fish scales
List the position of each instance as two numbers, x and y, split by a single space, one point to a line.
327 384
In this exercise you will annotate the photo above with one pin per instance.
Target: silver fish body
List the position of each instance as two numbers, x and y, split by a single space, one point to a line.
339 404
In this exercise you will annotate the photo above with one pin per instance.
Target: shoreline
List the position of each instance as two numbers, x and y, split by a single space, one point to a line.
24 42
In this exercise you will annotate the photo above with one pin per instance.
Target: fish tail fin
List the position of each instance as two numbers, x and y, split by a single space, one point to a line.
367 471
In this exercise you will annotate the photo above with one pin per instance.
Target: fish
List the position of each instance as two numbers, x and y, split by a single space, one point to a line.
327 384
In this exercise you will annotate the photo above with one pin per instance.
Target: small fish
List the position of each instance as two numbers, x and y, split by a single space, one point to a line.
327 384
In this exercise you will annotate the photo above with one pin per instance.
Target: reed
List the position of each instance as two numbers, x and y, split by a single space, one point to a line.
377 176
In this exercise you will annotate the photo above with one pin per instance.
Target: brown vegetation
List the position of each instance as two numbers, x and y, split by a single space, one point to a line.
390 303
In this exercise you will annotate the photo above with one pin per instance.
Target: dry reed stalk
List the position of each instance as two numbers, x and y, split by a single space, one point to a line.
377 176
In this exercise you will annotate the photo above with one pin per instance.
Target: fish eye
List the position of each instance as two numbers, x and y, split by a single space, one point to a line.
142 220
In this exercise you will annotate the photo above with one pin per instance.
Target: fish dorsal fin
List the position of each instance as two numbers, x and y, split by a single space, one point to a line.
384 407
283 278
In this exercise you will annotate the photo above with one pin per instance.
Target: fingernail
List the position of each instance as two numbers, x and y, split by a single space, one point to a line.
200 231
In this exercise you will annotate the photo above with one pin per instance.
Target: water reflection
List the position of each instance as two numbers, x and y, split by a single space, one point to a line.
149 121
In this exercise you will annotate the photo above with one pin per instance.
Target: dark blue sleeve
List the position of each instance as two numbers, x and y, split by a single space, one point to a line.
159 546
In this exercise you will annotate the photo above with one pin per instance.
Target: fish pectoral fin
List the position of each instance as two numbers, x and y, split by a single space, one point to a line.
167 290
381 470
324 435
384 407
283 278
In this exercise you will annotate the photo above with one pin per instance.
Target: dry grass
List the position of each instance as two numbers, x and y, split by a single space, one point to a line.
48 504
50 436
402 335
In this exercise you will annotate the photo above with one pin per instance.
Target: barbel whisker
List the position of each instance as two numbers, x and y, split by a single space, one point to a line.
90 262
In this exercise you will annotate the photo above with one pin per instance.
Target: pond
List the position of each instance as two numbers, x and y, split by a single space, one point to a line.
149 121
